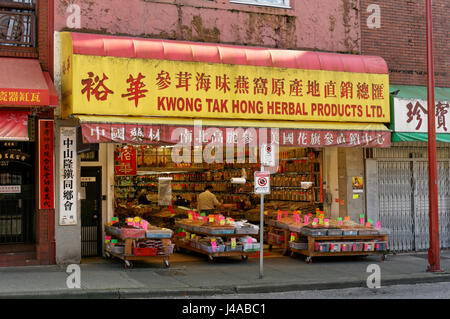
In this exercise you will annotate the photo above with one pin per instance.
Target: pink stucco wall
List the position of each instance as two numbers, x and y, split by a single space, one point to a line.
326 25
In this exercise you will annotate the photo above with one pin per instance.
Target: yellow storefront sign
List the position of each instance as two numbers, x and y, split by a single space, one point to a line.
145 87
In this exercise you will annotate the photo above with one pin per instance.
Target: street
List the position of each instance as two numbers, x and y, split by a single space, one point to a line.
419 291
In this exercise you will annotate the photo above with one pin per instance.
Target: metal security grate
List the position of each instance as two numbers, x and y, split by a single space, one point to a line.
11 222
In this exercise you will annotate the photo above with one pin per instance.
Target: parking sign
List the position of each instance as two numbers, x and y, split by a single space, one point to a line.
262 183
267 155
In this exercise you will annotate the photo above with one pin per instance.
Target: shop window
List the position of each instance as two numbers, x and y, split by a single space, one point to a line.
268 3
18 23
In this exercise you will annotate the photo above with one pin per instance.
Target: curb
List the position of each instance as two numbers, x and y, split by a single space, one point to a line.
134 293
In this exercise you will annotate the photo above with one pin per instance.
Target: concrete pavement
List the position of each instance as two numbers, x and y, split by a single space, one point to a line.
192 275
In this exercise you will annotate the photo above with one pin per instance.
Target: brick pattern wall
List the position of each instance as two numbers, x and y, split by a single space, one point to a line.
401 40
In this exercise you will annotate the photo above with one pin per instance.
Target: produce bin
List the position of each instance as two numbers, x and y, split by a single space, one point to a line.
357 246
350 232
334 232
300 246
321 247
369 246
380 246
335 247
314 232
346 246
132 233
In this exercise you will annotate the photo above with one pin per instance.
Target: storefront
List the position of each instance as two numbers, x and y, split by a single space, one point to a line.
398 183
26 163
196 114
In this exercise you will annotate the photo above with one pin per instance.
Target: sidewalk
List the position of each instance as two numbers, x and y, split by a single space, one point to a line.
191 275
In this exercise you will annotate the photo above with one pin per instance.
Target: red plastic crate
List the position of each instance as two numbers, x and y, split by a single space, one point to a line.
144 251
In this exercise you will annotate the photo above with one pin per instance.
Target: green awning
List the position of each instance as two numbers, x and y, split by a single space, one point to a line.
418 93
421 137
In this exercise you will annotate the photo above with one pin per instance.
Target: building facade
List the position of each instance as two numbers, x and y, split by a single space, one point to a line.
27 101
398 180
331 27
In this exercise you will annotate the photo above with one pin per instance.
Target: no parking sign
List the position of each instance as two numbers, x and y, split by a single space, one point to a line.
268 155
262 183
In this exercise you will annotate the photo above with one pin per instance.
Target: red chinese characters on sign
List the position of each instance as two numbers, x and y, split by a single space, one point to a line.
125 161
136 89
46 174
96 87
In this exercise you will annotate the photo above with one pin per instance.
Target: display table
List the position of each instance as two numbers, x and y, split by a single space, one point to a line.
366 244
188 245
128 257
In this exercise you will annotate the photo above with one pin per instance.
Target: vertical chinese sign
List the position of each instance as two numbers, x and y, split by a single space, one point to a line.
68 179
46 176
125 161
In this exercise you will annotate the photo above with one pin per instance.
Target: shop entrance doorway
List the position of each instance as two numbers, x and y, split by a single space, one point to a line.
91 211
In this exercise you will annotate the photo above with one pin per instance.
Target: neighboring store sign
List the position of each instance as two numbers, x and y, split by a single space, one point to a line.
268 155
125 161
153 87
150 134
411 115
68 176
46 167
10 189
23 97
262 183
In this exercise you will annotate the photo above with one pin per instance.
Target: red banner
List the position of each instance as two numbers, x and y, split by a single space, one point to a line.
189 135
125 161
46 174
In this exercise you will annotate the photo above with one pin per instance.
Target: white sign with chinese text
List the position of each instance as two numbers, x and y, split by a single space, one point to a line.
262 183
68 176
411 115
268 155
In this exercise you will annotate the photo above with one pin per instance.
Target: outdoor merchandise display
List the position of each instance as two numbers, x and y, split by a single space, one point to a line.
137 240
216 236
314 235
150 185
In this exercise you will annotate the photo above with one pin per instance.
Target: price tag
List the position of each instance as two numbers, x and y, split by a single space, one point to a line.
279 215
368 224
285 213
347 218
114 241
222 222
114 220
378 225
326 222
211 218
233 243
202 214
214 246
137 219
292 236
361 219
190 216
340 223
370 221
249 240
314 223
188 235
192 236
320 221
306 220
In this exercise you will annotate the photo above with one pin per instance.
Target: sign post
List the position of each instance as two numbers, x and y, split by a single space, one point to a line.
262 186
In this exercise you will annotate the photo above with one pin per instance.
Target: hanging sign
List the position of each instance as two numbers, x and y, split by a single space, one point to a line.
262 183
46 173
68 177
